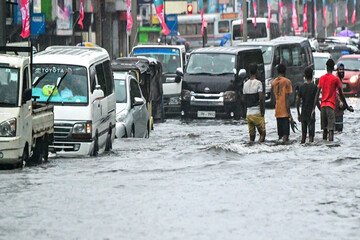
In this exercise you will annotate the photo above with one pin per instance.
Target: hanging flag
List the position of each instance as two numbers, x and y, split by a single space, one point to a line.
324 12
129 20
315 16
25 13
255 12
353 17
305 26
159 7
281 11
336 13
347 13
80 22
269 13
201 8
294 16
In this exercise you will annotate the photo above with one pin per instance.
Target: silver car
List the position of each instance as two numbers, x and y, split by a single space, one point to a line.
132 117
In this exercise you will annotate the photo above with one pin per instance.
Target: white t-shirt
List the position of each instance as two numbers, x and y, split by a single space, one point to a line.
252 89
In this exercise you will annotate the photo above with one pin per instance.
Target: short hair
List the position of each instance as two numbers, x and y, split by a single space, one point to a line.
308 73
281 68
253 68
330 64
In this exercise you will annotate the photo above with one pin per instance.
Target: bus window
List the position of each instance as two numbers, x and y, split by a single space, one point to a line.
224 26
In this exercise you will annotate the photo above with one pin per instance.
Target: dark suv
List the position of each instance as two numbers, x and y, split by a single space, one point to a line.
212 86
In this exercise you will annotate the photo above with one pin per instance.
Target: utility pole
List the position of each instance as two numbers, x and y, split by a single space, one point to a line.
244 26
133 35
2 22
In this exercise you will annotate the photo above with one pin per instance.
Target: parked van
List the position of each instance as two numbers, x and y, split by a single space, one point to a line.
78 81
212 86
294 52
258 33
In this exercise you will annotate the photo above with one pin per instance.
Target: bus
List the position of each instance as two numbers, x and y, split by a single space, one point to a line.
218 25
259 33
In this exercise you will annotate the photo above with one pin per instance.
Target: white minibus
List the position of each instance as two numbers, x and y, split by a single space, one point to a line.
79 82
259 33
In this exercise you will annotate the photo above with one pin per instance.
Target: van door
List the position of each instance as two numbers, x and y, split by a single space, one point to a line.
96 104
26 109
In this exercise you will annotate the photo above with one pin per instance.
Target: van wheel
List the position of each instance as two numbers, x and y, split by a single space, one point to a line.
38 151
46 149
108 145
132 134
147 134
95 151
24 158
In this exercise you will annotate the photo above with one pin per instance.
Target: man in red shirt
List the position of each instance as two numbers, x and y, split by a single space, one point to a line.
328 84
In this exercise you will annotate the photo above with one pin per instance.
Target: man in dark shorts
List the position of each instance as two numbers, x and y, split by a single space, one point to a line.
306 96
328 84
339 109
281 87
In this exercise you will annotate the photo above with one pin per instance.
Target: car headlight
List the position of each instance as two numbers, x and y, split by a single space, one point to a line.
229 96
354 79
121 116
82 130
185 95
268 82
8 128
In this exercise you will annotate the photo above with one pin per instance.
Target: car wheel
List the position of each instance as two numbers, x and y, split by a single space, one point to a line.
46 149
108 145
95 151
132 134
147 133
24 158
38 152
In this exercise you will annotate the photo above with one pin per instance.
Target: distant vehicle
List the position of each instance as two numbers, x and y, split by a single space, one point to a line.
26 127
294 52
212 86
171 57
217 26
260 33
320 60
351 81
132 117
78 82
338 50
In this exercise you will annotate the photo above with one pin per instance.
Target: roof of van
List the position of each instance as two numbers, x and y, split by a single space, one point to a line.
181 47
262 43
226 50
13 60
290 39
72 55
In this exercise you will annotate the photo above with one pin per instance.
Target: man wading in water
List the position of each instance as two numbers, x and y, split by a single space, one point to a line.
328 84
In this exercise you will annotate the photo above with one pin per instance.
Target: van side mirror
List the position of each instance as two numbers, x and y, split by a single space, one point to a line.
138 101
26 96
242 74
179 75
97 94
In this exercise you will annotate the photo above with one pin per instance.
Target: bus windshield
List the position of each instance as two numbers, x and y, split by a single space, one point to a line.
253 32
211 63
169 57
71 81
9 85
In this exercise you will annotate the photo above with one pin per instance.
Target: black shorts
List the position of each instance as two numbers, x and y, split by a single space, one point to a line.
283 126
308 125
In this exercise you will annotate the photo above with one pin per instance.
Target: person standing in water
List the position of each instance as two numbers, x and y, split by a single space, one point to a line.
339 109
306 97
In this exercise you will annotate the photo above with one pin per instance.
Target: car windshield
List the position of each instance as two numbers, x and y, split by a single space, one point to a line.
351 63
267 52
211 63
71 81
120 90
169 57
320 63
9 85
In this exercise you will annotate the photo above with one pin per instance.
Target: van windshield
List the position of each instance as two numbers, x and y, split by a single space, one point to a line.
71 81
169 57
267 52
120 90
211 63
253 32
9 84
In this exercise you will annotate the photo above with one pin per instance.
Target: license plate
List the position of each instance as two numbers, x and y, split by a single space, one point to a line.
174 100
206 114
344 86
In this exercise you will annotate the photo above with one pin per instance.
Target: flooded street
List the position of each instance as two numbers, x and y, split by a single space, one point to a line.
195 180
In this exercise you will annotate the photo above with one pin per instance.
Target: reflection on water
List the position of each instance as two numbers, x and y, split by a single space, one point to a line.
199 179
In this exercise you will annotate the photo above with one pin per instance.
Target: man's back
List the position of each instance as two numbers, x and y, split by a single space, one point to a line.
281 87
307 94
328 84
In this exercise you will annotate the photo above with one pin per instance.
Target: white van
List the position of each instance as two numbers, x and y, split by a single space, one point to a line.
258 33
78 81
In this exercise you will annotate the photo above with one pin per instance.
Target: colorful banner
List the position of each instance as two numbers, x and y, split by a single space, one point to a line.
64 18
315 16
80 22
269 13
353 17
347 13
212 6
324 13
159 7
336 13
305 26
281 12
25 13
201 8
129 20
294 16
255 12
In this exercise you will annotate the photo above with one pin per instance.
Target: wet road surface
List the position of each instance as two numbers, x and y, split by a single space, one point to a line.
195 180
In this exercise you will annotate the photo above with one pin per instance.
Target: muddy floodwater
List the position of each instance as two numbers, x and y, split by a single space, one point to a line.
193 180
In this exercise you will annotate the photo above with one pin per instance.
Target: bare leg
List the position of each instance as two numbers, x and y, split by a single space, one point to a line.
311 139
303 137
331 135
252 138
262 138
285 138
325 132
